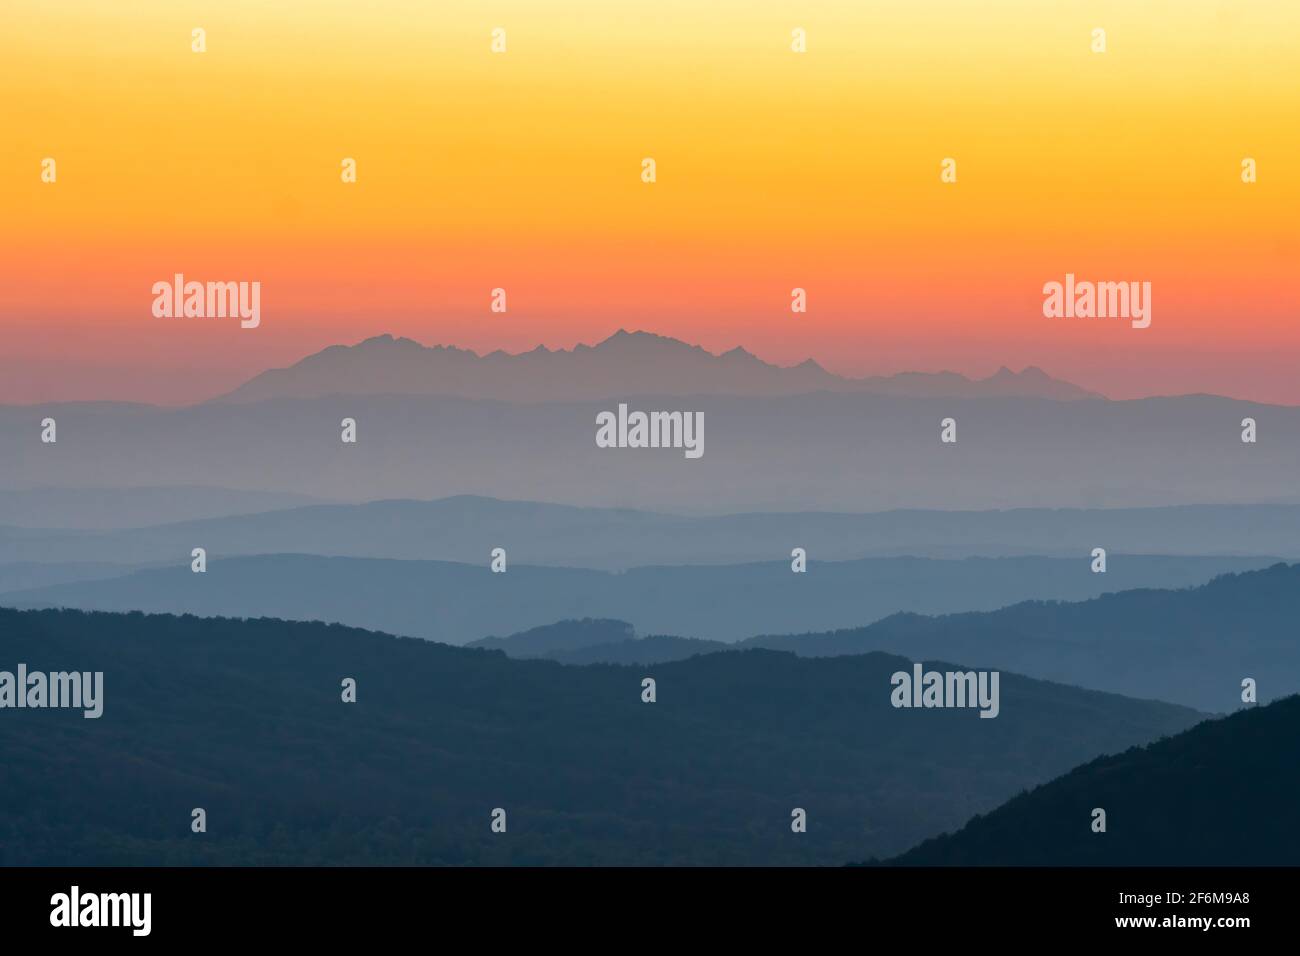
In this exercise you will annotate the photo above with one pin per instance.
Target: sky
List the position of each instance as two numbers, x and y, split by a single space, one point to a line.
522 170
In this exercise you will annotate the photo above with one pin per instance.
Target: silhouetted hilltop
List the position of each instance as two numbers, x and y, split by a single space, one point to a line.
1223 793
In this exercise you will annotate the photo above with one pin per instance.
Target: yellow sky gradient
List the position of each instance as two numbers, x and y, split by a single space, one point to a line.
774 169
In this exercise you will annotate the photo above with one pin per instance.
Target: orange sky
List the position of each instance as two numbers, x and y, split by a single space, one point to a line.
775 169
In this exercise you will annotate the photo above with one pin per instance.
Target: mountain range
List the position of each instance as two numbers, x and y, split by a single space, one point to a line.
626 363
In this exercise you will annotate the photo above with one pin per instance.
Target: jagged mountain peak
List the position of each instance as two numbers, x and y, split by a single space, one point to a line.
624 363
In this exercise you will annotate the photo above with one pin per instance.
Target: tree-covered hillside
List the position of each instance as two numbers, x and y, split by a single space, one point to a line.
245 720
1222 794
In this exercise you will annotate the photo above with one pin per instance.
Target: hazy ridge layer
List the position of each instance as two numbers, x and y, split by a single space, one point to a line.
456 603
464 529
823 451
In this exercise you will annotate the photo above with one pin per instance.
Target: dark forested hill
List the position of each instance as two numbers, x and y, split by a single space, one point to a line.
245 719
1222 794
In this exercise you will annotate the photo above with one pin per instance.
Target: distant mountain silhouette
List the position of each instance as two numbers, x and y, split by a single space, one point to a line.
245 719
626 363
456 603
1223 793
